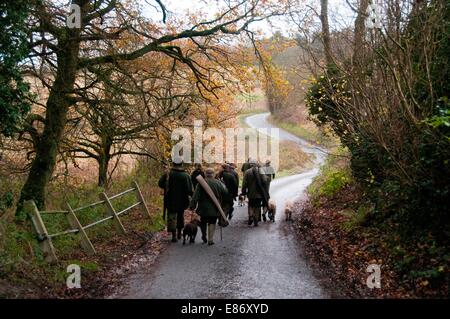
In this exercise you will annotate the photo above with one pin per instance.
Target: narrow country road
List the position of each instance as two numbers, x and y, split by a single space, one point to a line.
261 262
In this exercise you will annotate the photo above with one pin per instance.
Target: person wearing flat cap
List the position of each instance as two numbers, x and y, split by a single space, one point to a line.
254 186
177 186
227 176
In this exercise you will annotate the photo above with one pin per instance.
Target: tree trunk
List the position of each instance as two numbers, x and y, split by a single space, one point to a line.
57 106
359 51
103 160
325 31
360 28
103 170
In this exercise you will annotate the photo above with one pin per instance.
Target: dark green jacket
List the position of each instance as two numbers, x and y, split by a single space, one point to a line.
245 167
269 172
236 175
180 188
250 185
231 183
194 174
206 206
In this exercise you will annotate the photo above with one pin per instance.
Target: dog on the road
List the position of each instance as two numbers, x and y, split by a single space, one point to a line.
191 228
288 208
271 210
241 200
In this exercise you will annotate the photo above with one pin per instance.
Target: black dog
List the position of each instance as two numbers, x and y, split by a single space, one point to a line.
271 210
190 230
241 200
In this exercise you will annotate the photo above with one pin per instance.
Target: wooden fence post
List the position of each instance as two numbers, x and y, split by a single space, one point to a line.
75 223
44 241
140 198
112 212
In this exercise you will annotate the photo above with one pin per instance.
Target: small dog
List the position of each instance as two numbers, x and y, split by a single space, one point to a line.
272 210
190 229
288 208
241 200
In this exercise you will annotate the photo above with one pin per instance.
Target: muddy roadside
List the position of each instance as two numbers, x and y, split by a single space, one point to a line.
101 274
339 257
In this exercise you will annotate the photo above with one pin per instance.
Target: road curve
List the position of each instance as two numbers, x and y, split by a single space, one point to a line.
260 262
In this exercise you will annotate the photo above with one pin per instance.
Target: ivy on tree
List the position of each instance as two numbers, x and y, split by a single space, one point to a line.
13 49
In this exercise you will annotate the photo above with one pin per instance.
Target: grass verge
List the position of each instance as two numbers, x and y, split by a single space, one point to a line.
25 274
311 133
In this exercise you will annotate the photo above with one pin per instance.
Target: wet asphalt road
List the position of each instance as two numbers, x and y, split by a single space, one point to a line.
250 262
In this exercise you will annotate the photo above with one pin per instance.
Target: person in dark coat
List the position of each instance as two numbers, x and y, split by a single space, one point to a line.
233 171
206 208
246 166
232 185
178 188
197 171
254 186
269 172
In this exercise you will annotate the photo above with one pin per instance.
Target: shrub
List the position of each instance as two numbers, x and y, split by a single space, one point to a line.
395 127
334 176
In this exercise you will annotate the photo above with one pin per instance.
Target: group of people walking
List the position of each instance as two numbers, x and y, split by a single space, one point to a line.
182 191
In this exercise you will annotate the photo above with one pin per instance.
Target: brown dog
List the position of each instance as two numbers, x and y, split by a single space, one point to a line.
191 228
272 210
288 208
